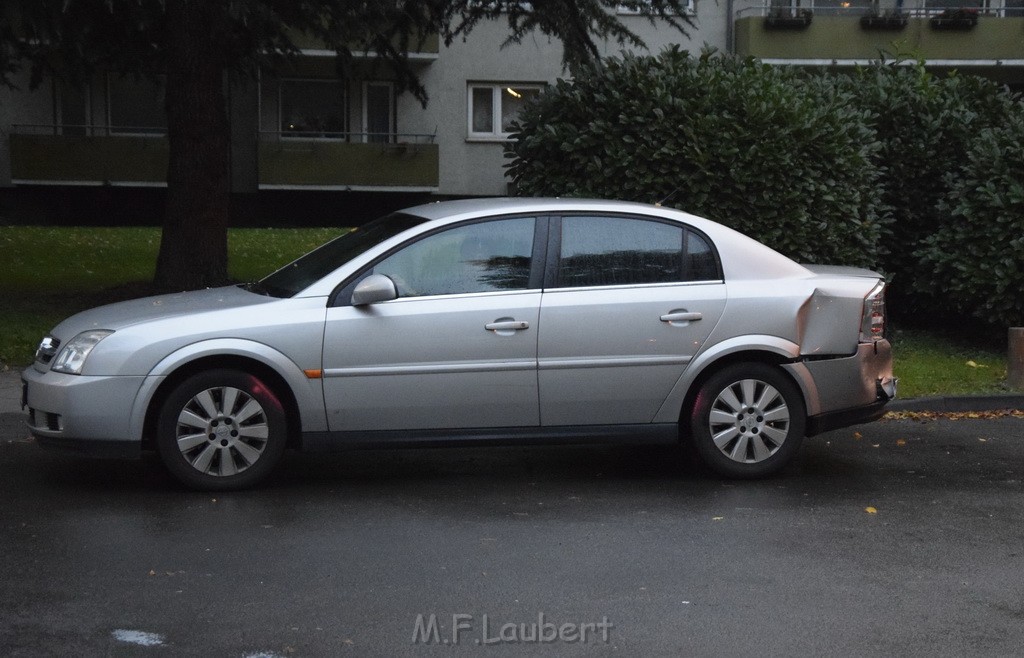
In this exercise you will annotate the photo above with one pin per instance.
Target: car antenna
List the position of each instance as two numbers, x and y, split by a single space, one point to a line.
666 199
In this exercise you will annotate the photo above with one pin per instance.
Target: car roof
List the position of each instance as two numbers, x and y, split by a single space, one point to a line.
741 256
508 205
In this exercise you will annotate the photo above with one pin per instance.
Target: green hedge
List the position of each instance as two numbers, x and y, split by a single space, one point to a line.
784 158
925 125
889 167
975 258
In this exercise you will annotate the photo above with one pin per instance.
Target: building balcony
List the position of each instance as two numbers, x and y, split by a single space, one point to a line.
88 155
349 161
820 35
79 155
420 48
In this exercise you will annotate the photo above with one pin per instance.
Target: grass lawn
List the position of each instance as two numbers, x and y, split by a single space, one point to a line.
930 364
47 274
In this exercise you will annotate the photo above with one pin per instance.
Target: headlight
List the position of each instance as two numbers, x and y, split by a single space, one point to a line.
72 357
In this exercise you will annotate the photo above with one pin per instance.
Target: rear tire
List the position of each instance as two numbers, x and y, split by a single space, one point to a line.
748 421
221 430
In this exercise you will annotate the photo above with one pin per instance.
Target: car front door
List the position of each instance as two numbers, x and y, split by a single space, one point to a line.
627 303
456 349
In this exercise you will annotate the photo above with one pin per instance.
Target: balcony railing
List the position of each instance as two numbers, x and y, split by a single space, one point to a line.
88 155
950 32
75 130
348 160
913 9
95 155
348 137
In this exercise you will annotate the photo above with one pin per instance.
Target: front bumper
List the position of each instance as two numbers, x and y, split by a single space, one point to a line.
79 411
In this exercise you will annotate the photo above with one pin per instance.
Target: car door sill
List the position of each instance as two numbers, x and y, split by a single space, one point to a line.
651 433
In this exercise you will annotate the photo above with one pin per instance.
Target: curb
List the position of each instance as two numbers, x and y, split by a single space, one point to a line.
959 403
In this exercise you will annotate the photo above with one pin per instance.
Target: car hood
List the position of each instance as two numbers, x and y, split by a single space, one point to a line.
161 307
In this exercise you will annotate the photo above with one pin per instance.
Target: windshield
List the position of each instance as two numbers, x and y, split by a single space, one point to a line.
326 258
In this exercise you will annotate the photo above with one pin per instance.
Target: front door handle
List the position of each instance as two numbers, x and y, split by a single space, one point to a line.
506 325
681 316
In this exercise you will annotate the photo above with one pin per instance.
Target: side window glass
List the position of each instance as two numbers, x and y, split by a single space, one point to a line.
608 251
700 259
482 257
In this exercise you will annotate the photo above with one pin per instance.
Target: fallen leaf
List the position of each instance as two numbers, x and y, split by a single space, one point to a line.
871 510
857 436
901 442
953 415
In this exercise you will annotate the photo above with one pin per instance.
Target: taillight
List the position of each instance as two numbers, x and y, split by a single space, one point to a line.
872 322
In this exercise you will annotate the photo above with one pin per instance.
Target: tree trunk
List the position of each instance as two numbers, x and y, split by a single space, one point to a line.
193 247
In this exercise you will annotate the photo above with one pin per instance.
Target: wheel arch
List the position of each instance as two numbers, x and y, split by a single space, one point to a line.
287 381
770 350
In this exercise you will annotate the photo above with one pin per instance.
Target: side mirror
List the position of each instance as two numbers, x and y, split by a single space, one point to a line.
374 288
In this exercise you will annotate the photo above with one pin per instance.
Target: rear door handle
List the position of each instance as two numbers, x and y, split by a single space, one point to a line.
681 316
506 325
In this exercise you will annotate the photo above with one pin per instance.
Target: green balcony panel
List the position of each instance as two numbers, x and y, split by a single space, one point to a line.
842 38
332 165
89 160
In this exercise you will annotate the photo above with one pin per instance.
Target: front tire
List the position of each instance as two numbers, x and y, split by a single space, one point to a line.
748 421
221 430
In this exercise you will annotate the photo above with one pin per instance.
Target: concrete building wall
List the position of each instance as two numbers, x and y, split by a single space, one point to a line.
470 166
25 107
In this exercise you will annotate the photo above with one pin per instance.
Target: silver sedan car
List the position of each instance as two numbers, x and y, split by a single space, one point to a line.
482 321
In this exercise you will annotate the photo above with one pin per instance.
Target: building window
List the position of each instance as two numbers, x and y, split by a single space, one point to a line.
136 106
314 109
494 107
378 112
74 108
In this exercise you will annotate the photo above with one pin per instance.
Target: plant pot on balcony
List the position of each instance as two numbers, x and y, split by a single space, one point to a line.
787 20
955 19
893 22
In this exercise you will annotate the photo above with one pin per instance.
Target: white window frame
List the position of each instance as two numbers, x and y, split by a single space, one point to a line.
58 107
283 134
127 131
496 88
392 119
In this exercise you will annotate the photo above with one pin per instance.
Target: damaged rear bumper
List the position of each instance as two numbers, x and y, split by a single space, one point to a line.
848 390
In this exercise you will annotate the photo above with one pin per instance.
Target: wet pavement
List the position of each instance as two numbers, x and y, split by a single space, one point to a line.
896 538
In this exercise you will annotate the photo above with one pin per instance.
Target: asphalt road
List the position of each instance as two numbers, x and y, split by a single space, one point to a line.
342 555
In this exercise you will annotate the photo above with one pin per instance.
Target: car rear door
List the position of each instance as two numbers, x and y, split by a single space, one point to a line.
627 303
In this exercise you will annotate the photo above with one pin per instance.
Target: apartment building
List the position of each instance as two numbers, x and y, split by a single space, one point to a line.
301 128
